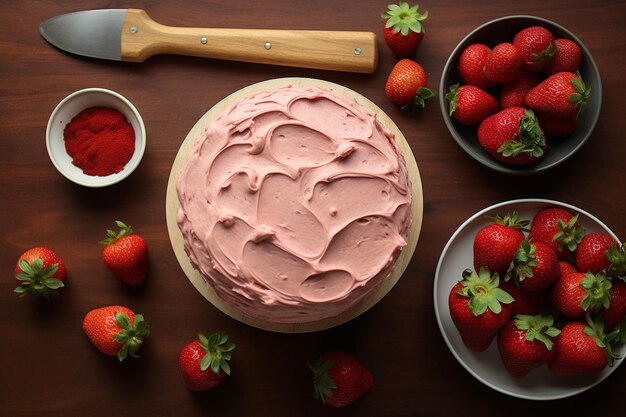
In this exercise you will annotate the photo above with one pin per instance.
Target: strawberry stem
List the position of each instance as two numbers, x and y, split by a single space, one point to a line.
598 292
537 327
483 291
595 329
419 100
323 384
510 220
37 280
582 94
131 337
218 352
569 234
617 260
523 262
112 236
452 96
530 138
404 18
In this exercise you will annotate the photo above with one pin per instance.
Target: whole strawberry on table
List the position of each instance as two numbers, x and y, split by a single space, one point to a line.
204 363
339 379
407 85
116 330
39 272
125 253
403 29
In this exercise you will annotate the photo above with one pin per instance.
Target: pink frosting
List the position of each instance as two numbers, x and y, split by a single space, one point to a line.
294 204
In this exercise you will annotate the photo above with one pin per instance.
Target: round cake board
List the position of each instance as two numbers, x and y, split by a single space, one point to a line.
176 238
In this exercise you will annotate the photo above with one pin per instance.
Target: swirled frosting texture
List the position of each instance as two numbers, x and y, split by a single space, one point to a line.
294 204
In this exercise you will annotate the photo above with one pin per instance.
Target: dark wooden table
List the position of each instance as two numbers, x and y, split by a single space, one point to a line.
48 366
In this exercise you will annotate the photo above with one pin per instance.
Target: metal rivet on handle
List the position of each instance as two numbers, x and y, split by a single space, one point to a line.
133 29
357 51
203 40
268 45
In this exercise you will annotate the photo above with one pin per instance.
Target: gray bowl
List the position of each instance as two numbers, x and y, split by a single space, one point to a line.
502 30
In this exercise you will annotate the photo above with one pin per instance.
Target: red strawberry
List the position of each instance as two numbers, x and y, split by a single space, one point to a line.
479 308
536 47
558 228
563 94
617 308
126 254
513 94
339 379
403 29
470 105
204 362
566 268
407 84
116 330
496 243
582 348
503 63
577 293
512 136
558 127
39 272
567 57
526 302
593 255
526 342
535 266
471 64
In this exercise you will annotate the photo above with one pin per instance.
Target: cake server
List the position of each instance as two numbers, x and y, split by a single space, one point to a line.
131 35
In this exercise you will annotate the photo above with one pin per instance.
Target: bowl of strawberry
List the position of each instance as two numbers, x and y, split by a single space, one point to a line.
520 94
530 297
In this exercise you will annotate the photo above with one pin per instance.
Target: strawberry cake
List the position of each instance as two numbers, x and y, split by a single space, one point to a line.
295 204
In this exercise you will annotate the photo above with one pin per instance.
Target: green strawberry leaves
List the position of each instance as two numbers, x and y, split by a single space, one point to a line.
419 100
483 291
598 292
37 280
530 138
218 352
510 220
595 329
617 260
581 94
523 262
323 384
544 57
131 336
112 236
404 18
537 327
570 234
452 96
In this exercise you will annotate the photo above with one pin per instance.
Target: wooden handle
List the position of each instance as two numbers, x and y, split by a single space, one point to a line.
346 51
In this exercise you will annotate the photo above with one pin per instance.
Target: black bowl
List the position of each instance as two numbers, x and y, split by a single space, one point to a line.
503 30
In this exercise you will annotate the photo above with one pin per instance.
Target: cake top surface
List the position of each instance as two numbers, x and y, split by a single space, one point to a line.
293 202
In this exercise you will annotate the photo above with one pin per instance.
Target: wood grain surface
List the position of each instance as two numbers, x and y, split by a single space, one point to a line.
48 367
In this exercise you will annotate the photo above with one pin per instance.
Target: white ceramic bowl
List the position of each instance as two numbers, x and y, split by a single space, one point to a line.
67 109
540 383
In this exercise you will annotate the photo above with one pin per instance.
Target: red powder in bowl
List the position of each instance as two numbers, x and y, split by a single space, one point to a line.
100 141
